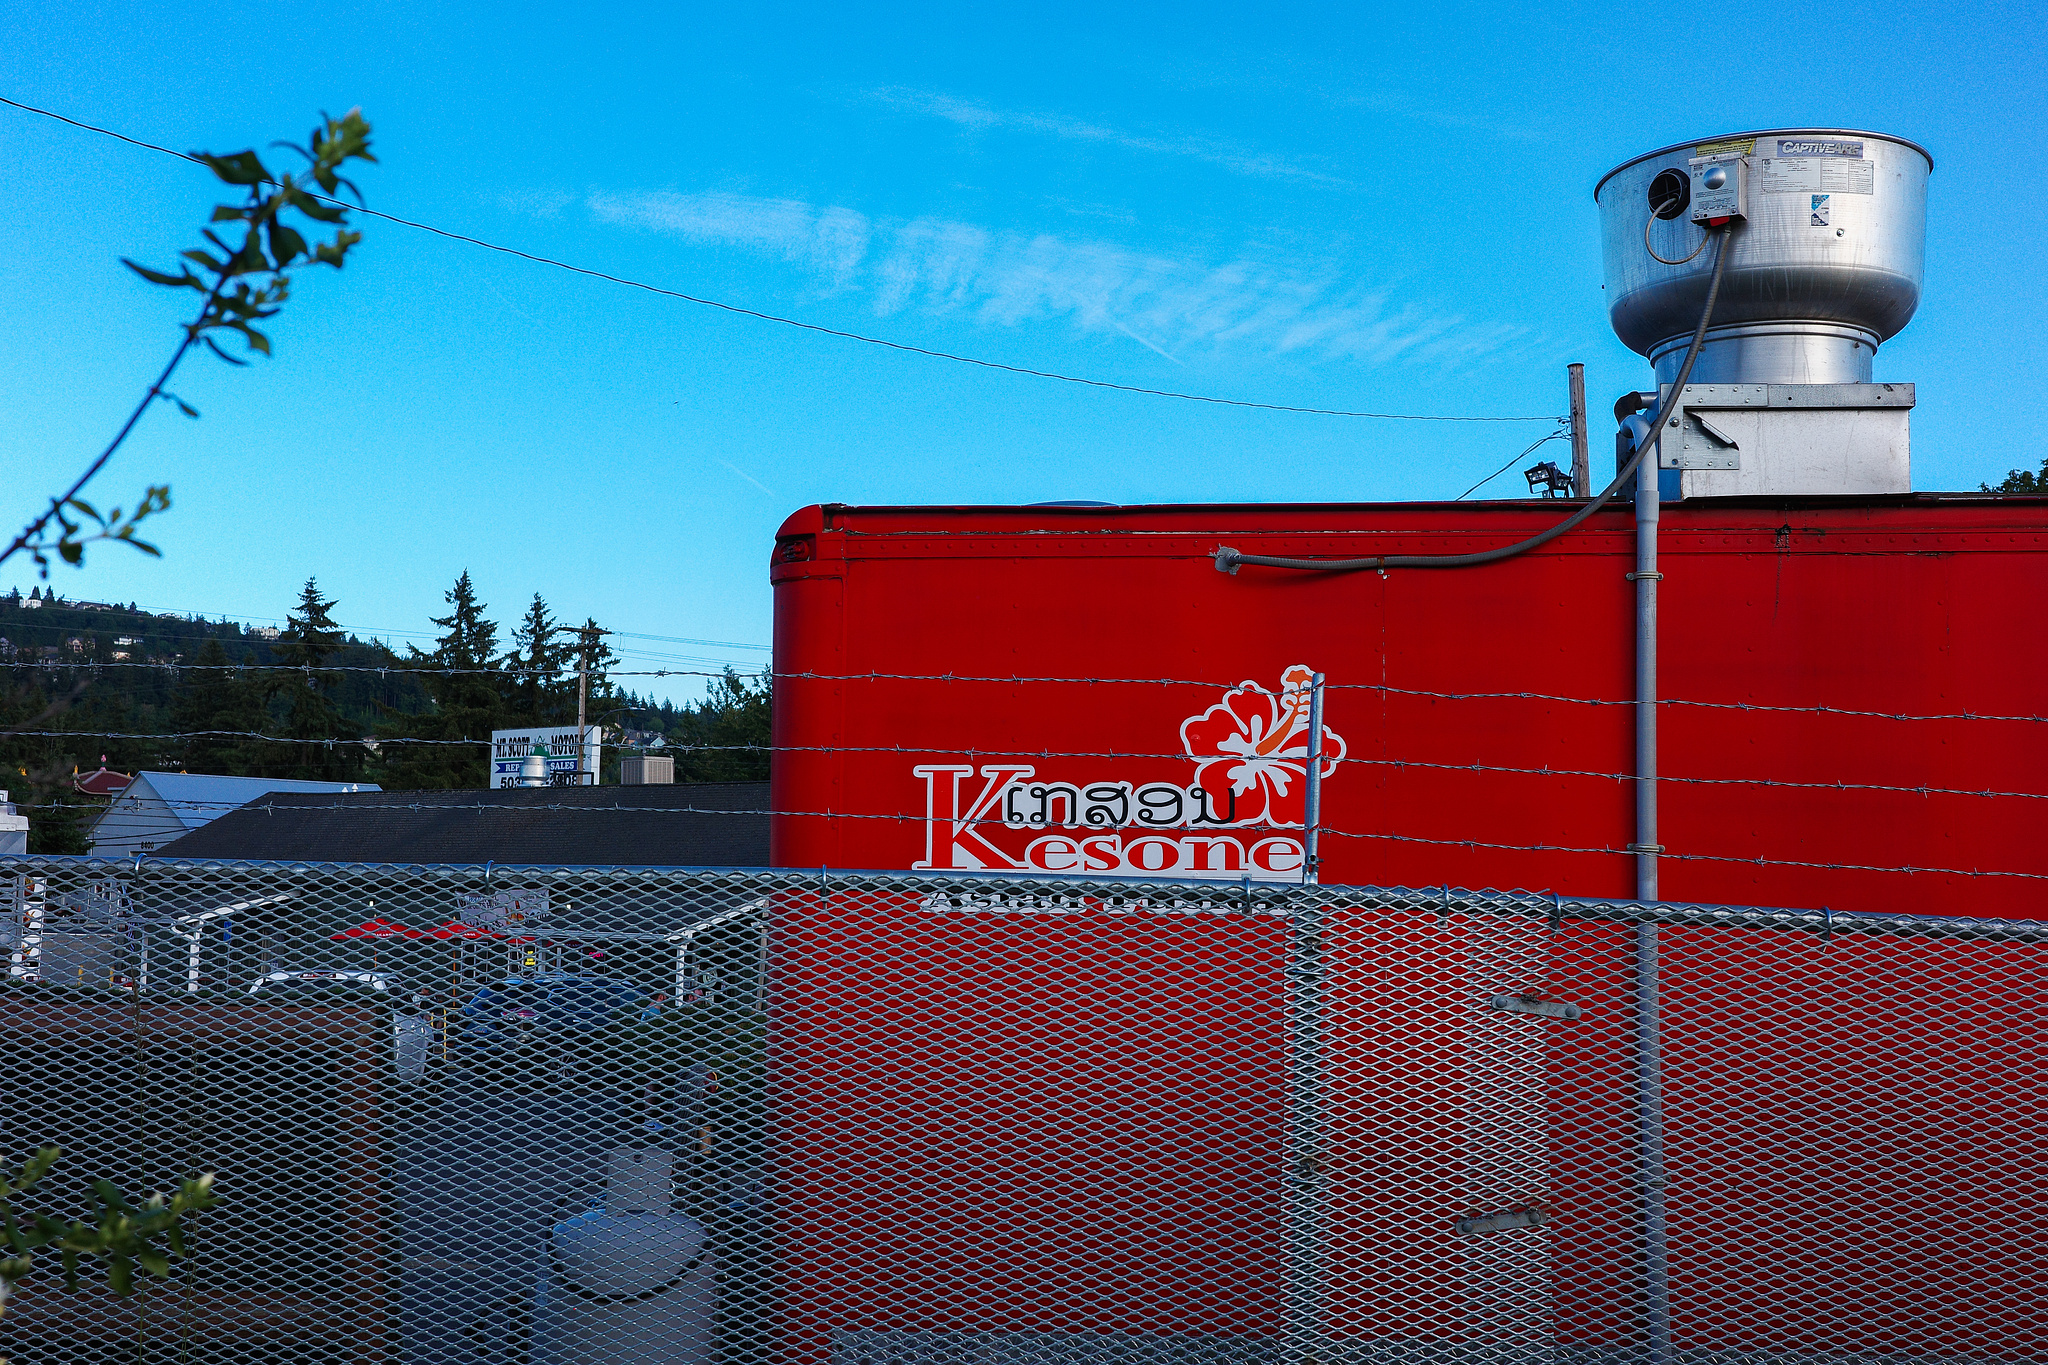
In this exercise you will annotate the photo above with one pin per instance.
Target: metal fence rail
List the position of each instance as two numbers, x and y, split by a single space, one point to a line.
535 1115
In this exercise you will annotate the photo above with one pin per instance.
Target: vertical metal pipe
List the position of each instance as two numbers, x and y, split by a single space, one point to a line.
1650 1151
1304 1179
1582 467
1312 794
1649 1052
1646 576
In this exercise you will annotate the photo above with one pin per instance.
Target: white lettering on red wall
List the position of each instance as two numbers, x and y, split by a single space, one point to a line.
1251 753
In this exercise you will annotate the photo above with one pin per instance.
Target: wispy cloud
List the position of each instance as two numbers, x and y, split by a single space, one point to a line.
539 203
1381 102
832 241
981 117
1168 305
750 478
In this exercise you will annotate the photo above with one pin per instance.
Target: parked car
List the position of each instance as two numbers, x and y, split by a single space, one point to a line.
511 1010
412 1026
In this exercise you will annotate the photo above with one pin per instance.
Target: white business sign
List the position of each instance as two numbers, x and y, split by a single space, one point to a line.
509 749
503 909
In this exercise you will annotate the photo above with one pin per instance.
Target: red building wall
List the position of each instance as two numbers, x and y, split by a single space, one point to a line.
899 631
939 669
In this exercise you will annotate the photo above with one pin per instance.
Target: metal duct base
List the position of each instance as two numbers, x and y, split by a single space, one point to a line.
1789 440
1774 352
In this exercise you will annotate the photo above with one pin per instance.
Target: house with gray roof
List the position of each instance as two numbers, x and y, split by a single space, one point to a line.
156 808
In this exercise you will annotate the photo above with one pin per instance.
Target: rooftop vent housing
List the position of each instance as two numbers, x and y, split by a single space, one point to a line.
1825 265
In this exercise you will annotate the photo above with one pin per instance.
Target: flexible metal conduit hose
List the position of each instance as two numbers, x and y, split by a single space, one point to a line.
1228 560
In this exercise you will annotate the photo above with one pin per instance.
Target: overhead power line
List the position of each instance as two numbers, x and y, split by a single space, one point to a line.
365 634
807 326
409 670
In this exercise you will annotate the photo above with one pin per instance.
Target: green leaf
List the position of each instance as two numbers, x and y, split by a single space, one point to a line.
285 244
72 552
198 257
110 1196
257 341
228 213
158 276
120 1276
313 208
155 1262
242 168
249 260
214 346
334 253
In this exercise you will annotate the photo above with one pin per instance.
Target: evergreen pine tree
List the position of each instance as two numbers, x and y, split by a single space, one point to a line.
310 636
593 652
303 699
214 697
537 695
725 737
467 706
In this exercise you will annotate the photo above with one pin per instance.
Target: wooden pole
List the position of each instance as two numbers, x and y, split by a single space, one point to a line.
1582 472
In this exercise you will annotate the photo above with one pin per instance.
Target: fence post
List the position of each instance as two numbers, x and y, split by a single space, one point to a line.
1650 1149
1312 786
1306 1179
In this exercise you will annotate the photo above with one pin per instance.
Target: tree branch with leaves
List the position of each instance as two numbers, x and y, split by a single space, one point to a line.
126 1238
242 284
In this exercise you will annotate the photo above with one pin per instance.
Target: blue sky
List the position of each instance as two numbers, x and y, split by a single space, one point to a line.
1353 207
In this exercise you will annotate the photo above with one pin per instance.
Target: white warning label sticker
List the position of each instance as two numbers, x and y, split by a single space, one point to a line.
1811 174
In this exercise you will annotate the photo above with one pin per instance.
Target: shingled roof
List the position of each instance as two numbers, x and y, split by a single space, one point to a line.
710 824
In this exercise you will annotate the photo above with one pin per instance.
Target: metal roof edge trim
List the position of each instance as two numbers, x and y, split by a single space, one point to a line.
1447 900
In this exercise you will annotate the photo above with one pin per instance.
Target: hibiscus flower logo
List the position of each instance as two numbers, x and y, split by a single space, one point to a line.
1251 751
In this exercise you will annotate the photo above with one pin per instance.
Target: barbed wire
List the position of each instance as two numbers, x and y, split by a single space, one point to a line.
971 753
1164 831
1388 689
1693 857
1078 681
389 670
372 742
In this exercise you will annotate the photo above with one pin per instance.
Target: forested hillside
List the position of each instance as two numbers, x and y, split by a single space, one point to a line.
312 700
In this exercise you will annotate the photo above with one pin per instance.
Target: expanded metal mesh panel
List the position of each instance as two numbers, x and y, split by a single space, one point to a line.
539 1115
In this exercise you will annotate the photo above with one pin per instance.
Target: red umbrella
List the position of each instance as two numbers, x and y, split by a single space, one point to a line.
380 928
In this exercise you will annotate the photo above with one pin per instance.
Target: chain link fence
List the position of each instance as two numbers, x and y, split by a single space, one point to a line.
536 1115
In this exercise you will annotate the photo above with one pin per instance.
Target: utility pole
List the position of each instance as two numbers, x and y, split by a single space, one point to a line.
589 636
1582 471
